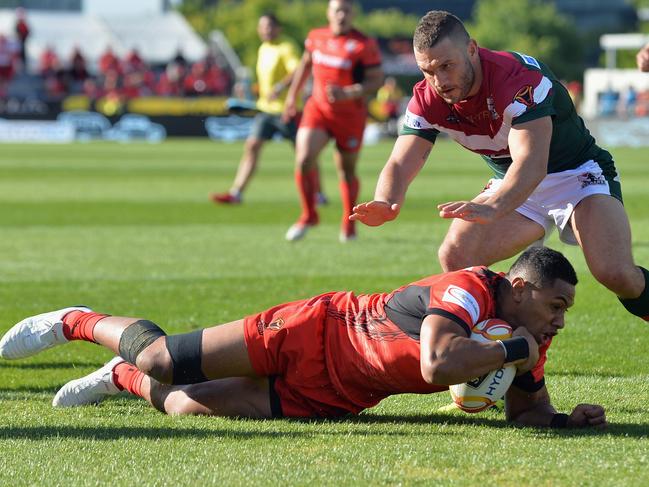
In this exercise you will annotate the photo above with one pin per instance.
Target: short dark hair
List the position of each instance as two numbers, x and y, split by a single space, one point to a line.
272 17
542 266
435 26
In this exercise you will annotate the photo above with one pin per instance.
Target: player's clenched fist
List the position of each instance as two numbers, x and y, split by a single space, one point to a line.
587 415
375 213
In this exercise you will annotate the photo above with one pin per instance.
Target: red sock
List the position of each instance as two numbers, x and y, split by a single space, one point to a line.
129 377
79 325
349 196
306 184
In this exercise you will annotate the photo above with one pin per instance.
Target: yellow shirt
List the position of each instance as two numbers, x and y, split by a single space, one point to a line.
275 60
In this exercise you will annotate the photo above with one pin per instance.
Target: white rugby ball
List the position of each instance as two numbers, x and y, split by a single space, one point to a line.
483 392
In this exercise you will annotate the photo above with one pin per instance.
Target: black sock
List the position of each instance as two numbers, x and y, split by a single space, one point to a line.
639 306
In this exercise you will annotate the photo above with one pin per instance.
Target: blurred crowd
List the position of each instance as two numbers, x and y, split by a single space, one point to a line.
625 103
130 76
113 77
12 51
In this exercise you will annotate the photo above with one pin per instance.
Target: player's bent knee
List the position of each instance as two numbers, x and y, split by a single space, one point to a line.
450 257
140 344
156 362
178 403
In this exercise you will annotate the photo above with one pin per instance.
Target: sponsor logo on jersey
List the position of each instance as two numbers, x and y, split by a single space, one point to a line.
331 61
415 121
525 96
590 179
452 118
491 106
463 299
529 60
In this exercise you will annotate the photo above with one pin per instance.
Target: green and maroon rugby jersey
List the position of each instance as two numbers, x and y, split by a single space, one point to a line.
516 88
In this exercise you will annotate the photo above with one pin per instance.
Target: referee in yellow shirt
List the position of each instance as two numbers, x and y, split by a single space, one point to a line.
277 60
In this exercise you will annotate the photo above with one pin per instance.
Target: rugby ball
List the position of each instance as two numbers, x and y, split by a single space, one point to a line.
483 392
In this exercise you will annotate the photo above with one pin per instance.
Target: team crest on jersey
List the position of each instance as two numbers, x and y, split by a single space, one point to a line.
463 299
452 118
590 179
491 106
525 96
275 325
350 45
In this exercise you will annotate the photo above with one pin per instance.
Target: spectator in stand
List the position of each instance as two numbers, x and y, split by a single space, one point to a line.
134 62
7 60
109 62
78 69
49 62
170 82
91 89
22 33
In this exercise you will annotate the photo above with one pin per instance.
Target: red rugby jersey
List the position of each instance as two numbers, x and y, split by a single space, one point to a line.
372 341
339 60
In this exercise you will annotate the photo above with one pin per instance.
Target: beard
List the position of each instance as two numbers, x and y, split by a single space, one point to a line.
464 86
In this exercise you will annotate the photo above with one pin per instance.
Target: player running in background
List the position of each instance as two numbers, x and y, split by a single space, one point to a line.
346 67
336 353
277 59
509 108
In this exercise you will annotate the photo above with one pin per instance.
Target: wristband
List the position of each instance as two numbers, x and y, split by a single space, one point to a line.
559 420
516 348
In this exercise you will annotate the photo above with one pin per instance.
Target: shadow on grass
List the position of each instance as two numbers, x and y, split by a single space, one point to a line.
50 365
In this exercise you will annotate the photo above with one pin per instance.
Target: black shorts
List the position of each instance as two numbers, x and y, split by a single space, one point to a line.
266 125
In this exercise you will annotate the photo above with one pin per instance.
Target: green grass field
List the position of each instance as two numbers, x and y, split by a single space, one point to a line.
128 230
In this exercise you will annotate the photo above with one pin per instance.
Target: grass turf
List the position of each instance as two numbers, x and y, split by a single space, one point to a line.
128 230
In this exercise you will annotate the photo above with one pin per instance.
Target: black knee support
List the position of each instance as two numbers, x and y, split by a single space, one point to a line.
137 337
185 351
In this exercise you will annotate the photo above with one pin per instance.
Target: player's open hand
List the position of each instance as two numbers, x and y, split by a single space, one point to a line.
335 93
587 416
467 210
290 110
375 213
533 357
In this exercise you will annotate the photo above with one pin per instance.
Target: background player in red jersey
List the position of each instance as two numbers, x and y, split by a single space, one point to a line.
346 66
549 172
333 354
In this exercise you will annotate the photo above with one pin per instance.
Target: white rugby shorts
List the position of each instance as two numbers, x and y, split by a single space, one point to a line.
554 199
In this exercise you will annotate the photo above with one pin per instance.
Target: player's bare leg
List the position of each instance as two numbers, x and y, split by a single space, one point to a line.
245 171
308 145
349 188
464 244
607 249
248 163
236 396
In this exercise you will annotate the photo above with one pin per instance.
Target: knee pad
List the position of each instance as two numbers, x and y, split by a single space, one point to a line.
136 337
185 351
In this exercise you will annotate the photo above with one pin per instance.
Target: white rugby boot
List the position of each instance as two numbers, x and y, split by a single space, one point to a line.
35 334
91 389
297 231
